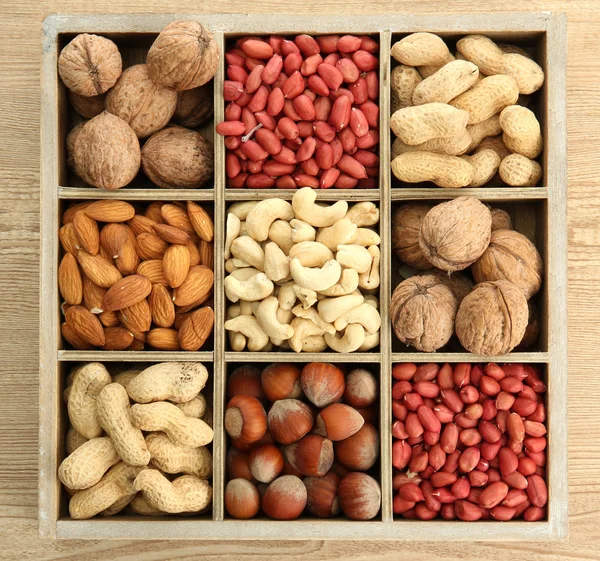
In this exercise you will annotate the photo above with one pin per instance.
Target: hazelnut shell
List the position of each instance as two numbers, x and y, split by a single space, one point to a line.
360 496
285 498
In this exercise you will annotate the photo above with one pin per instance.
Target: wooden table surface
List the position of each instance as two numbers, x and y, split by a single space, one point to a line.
19 274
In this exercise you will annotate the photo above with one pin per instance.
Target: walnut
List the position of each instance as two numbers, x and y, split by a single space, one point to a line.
510 256
532 332
492 319
183 56
459 284
406 223
87 107
71 138
455 234
107 152
89 65
194 107
178 158
500 219
145 105
422 312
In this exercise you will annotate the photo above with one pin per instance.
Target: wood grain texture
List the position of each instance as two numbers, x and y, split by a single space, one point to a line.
19 273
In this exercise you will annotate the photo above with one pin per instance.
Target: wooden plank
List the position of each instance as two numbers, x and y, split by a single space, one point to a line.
287 194
135 356
482 193
531 358
286 356
78 193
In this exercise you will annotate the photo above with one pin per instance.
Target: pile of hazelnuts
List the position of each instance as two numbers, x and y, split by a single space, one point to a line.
302 439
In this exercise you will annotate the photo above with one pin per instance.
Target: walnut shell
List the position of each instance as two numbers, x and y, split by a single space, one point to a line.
500 219
194 107
183 56
510 256
90 65
454 234
87 107
422 312
71 138
534 327
178 158
406 223
107 152
145 105
492 319
459 284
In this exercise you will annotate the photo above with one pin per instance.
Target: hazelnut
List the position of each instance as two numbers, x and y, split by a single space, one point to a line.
289 420
242 499
281 381
361 388
289 469
322 500
243 446
245 418
360 451
360 496
266 462
322 383
406 224
500 220
369 414
87 106
237 465
245 380
285 498
312 455
194 107
338 422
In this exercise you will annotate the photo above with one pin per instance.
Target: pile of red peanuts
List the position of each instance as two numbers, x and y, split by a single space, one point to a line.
302 112
469 442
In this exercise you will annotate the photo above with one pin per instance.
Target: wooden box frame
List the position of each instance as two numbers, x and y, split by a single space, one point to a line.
549 30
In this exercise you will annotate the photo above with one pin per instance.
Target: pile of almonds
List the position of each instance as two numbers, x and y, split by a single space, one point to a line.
302 112
300 456
131 279
469 442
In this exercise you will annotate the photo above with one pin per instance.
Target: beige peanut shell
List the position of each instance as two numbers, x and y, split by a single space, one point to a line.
171 458
403 81
486 164
194 408
522 131
420 49
519 171
451 146
406 224
443 170
494 143
418 124
448 82
86 465
139 505
483 129
74 440
118 506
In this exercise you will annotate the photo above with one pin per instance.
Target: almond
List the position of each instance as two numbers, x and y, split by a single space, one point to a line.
69 280
87 232
110 211
141 224
195 258
163 339
196 329
109 319
180 317
72 337
201 221
68 238
86 325
69 214
104 253
176 264
137 345
150 246
153 271
93 296
117 339
207 254
153 212
112 238
161 306
175 216
171 234
137 318
195 287
128 258
127 292
99 270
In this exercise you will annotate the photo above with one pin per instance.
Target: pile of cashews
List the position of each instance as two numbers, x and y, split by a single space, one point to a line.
302 276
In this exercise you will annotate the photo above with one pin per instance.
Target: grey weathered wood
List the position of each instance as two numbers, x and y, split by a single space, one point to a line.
74 193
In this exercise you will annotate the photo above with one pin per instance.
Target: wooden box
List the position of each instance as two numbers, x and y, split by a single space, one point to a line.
539 212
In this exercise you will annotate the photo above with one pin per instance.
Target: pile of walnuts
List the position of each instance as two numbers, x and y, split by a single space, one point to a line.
443 241
161 101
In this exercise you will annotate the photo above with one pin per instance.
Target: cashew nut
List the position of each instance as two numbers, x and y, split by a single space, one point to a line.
244 274
249 251
367 237
314 344
303 203
311 254
236 340
313 315
277 264
246 308
284 316
350 341
266 315
332 308
302 231
263 214
369 280
287 296
248 326
233 231
354 257
281 233
255 288
371 341
306 295
347 284
365 315
342 232
372 300
316 278
363 214
242 209
243 229
229 266
302 328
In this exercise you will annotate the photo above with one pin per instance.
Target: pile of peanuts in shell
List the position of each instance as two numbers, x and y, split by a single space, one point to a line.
462 120
137 441
145 116
469 442
134 277
470 274
302 276
310 451
302 112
